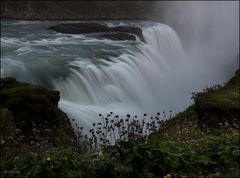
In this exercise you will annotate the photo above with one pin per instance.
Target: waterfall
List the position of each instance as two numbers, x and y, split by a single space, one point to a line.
129 83
98 76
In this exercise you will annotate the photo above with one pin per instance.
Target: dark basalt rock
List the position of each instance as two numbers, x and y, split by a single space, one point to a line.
119 36
123 32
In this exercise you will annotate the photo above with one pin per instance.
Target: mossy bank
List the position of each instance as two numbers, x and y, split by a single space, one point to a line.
213 108
31 119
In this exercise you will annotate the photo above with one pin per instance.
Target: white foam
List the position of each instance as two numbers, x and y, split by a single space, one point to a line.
5 41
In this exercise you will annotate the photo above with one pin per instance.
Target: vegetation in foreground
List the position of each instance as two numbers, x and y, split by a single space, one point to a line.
192 153
179 147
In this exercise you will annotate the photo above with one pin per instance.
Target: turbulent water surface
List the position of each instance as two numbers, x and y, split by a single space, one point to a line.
95 75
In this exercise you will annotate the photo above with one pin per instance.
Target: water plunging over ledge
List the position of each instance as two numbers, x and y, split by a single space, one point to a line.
100 75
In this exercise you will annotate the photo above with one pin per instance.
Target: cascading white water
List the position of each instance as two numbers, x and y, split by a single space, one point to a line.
99 76
130 83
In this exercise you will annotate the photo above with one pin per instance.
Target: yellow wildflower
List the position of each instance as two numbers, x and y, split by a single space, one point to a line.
2 142
101 156
49 159
168 176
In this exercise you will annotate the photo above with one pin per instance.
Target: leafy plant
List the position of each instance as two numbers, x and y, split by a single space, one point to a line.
132 152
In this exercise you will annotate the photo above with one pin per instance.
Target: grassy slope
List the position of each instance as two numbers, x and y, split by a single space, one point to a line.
224 98
209 103
216 105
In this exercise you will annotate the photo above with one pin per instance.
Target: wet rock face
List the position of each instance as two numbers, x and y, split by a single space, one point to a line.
114 33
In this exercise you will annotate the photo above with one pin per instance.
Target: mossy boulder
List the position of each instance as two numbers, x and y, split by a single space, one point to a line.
30 103
31 112
218 104
115 33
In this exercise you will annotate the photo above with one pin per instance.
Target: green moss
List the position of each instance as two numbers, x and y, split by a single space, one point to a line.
214 105
6 119
29 103
31 119
218 104
224 98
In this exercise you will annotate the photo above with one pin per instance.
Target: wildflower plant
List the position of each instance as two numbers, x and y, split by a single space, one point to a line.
132 147
112 128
